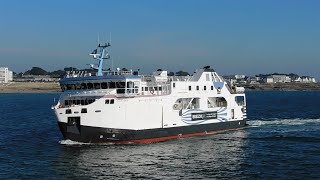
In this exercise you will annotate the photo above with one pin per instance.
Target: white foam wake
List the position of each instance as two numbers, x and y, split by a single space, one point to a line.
257 123
70 142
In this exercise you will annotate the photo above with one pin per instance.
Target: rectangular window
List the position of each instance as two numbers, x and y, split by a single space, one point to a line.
156 88
141 88
197 88
146 88
104 85
68 111
211 87
174 85
84 110
189 88
160 88
112 101
107 101
207 77
204 87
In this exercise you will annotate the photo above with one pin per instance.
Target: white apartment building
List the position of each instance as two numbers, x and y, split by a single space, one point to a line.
5 75
278 79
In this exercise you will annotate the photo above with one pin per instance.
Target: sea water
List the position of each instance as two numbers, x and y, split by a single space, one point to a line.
282 141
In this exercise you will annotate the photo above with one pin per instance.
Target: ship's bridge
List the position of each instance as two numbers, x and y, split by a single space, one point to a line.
124 84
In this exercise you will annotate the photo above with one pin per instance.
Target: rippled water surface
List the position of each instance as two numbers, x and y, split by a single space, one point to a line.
282 142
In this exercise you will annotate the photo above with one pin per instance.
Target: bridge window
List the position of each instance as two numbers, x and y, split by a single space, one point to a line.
78 86
97 85
130 84
84 110
90 86
70 87
120 91
112 101
112 85
104 85
83 86
121 84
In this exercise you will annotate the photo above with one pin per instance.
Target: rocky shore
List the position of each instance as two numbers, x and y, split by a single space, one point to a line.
44 87
283 87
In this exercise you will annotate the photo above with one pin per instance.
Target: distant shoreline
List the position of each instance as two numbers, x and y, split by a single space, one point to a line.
53 87
30 87
282 87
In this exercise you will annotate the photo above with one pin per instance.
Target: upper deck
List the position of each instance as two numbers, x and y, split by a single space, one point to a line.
131 83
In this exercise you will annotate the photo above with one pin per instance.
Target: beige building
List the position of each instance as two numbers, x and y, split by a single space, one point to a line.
278 79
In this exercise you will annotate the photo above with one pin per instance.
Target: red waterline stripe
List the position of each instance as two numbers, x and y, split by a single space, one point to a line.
160 139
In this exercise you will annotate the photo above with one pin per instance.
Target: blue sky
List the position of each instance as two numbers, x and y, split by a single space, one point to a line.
233 37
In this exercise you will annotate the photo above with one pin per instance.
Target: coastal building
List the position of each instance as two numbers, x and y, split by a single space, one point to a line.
308 79
268 79
231 79
5 75
240 76
296 79
278 79
36 78
253 80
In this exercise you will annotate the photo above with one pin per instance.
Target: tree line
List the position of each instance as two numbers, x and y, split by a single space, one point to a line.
61 73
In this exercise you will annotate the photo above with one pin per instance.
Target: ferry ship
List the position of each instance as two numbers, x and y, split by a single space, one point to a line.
123 107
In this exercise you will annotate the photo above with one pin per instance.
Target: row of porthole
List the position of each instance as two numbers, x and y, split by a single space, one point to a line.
83 110
109 101
204 88
104 85
78 102
151 88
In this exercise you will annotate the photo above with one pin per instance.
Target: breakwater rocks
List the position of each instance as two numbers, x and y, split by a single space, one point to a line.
283 87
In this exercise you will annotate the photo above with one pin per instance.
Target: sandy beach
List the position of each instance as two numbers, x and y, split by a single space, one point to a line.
45 87
29 87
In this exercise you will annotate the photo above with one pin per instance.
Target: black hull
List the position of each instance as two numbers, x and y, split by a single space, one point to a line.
88 134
